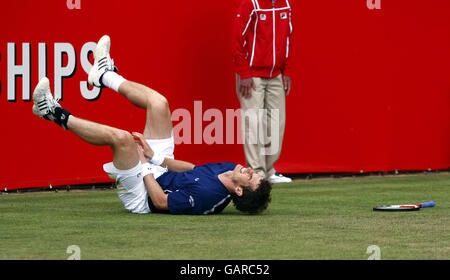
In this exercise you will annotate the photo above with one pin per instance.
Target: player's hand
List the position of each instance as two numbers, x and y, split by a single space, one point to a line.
287 84
246 86
140 141
142 157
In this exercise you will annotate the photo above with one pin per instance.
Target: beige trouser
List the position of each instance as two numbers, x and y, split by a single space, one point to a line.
263 122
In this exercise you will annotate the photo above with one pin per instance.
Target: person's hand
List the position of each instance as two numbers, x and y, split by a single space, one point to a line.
142 157
287 84
246 86
143 145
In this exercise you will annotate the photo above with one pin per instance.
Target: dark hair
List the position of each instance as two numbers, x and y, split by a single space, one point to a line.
253 202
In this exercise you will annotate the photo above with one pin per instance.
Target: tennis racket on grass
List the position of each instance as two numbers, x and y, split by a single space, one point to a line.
404 207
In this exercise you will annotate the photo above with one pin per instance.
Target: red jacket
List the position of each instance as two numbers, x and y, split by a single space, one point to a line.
261 39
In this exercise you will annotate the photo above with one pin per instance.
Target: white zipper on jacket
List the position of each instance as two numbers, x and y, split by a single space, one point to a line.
256 8
274 39
254 41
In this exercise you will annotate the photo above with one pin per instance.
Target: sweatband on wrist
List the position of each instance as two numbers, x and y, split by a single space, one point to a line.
146 169
157 159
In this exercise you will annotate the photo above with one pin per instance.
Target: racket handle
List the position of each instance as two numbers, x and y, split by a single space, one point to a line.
427 204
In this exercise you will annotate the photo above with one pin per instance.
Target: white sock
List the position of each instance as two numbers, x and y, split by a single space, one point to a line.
112 80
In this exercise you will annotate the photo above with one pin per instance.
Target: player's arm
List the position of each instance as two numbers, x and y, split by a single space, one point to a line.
177 165
171 164
154 190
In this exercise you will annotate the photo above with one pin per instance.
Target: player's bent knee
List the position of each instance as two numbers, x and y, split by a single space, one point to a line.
159 104
161 101
122 138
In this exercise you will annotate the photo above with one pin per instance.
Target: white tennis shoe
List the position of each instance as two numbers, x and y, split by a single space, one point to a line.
102 62
44 102
279 178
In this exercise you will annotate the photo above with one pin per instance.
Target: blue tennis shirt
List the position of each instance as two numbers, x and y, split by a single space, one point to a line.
197 191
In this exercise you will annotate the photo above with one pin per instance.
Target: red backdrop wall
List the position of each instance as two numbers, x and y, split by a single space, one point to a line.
370 87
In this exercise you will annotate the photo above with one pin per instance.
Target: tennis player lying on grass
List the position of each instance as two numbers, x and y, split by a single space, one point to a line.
148 177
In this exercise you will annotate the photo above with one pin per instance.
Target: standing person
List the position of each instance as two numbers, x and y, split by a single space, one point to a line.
261 52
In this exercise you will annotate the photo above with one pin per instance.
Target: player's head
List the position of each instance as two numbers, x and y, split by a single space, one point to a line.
252 194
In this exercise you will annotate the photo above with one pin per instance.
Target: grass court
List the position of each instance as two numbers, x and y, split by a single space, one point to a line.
318 219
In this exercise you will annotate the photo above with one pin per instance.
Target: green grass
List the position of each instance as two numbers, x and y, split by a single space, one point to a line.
308 219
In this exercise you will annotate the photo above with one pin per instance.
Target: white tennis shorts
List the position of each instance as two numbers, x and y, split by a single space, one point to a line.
132 191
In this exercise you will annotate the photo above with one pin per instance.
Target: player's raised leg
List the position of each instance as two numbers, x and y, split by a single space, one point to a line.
121 142
158 124
125 155
103 74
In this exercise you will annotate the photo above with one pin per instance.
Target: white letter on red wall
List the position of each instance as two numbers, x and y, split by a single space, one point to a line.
73 4
63 71
23 70
42 60
93 94
374 4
